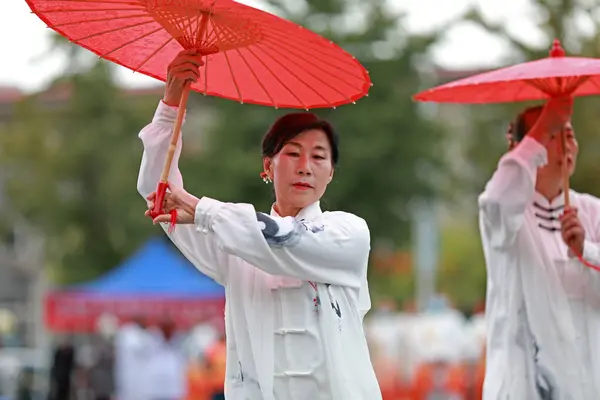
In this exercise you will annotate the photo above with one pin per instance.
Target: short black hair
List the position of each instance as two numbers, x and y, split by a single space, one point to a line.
524 122
291 125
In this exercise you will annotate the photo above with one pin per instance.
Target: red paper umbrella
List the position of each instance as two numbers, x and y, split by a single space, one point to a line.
548 77
554 76
251 56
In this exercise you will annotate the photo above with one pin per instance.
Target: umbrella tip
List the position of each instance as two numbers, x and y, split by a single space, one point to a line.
557 50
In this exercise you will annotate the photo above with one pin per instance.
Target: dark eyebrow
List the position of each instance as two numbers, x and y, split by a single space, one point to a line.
296 144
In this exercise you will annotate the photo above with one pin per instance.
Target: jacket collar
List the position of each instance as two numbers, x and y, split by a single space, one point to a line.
309 212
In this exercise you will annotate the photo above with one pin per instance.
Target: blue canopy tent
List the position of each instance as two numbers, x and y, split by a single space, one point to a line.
154 282
156 269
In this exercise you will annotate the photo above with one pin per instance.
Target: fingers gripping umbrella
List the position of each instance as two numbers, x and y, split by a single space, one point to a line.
551 77
250 56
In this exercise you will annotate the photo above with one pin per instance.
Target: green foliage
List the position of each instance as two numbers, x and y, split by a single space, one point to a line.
73 172
462 274
398 284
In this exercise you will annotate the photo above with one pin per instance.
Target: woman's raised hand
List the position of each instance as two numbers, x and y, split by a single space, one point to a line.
184 68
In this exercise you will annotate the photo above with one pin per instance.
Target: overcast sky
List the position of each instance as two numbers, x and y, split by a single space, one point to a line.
24 64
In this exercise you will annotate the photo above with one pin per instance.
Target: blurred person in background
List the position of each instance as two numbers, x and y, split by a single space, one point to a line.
167 365
387 370
216 368
61 370
542 305
134 347
198 384
440 329
479 377
385 329
438 380
295 279
101 373
202 337
25 385
206 374
473 363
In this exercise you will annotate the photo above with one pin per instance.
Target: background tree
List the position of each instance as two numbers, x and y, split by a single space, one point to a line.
73 171
462 274
74 168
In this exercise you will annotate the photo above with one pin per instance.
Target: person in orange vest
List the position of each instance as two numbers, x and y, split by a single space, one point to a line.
387 376
206 376
198 383
216 357
438 379
480 376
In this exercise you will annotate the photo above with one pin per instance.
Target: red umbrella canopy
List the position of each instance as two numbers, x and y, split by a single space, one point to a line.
251 56
548 77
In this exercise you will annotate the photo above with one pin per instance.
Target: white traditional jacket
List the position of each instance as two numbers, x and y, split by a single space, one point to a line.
296 289
543 306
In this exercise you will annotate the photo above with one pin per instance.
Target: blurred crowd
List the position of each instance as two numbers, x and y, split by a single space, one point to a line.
438 354
141 362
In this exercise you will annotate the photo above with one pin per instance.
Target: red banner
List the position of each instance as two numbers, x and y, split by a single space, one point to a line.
80 312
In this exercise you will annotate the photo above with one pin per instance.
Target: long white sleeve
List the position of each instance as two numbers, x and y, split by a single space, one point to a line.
591 252
510 190
590 211
201 250
333 250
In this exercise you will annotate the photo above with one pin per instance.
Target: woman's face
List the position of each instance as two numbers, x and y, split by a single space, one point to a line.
301 171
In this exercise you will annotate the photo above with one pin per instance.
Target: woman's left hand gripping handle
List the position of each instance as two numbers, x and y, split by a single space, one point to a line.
156 202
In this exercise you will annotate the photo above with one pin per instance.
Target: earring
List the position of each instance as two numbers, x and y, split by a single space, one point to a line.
266 179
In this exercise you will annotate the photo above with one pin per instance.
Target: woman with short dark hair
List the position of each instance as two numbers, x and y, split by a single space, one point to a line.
295 279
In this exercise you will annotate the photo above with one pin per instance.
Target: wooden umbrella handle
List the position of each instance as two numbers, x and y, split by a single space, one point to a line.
571 86
565 168
161 188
